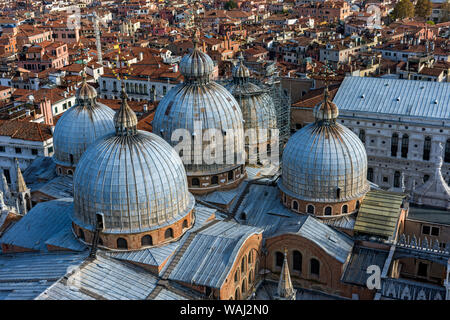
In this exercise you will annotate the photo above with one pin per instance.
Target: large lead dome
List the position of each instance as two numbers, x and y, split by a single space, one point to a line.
324 163
257 109
81 125
136 181
201 104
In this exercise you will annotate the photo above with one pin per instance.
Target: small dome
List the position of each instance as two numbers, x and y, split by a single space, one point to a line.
125 120
196 66
81 125
326 110
133 178
322 158
240 71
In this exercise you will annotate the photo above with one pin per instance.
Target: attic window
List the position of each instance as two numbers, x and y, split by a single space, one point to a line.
398 98
362 96
435 101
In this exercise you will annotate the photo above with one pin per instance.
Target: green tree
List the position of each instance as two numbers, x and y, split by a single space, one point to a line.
403 9
423 8
230 5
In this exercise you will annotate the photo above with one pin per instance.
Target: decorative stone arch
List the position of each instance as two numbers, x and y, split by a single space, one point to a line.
328 211
344 209
310 208
237 275
185 224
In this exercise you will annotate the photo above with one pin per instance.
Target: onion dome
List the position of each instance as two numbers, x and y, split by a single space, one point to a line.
131 177
125 120
326 111
324 161
81 125
240 71
197 66
197 105
86 93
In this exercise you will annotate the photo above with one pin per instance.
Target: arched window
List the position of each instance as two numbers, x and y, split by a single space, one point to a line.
59 170
81 234
397 179
362 135
310 209
279 258
345 208
405 145
447 151
427 148
370 174
425 178
338 192
71 158
328 211
244 286
185 224
70 172
195 182
236 276
237 294
297 260
294 205
394 145
146 240
244 264
169 233
215 180
122 243
357 204
315 267
230 175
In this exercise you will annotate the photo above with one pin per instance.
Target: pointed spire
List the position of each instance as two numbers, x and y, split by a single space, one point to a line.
21 185
125 119
285 289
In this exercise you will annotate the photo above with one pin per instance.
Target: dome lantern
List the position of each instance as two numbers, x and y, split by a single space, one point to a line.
125 120
196 67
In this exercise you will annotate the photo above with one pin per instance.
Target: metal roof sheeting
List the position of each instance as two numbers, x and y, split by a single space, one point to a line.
419 99
379 213
25 275
168 295
211 254
105 278
42 222
360 260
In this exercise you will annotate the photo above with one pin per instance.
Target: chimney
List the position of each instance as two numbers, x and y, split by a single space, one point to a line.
145 108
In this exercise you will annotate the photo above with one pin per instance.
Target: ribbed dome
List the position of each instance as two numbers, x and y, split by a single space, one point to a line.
326 110
240 71
136 180
209 104
257 106
125 120
79 126
322 157
196 66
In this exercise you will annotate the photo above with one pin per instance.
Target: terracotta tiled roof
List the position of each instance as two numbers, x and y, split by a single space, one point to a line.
24 130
